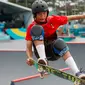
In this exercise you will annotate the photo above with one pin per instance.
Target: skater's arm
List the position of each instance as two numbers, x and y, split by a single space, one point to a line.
29 49
29 53
75 17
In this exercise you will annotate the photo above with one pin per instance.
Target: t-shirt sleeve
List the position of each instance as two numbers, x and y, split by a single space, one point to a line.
28 34
61 20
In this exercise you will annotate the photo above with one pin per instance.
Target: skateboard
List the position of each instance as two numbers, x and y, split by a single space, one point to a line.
50 70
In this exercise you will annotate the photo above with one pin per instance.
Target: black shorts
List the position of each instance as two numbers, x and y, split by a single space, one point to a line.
48 49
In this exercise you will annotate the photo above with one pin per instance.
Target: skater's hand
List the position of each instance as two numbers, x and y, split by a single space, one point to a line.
30 61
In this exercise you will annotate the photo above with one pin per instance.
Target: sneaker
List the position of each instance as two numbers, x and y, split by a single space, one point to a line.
81 74
41 70
42 61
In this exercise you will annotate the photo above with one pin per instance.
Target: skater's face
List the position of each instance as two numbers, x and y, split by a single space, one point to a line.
41 16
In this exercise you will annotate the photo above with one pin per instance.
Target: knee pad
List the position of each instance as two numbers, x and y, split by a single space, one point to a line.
37 32
60 47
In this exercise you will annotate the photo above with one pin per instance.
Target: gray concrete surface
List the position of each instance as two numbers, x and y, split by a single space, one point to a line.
13 66
20 45
15 45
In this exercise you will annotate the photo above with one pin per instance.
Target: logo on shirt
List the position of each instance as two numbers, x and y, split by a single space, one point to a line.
52 25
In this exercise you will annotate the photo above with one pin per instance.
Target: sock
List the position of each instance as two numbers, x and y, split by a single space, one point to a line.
41 51
71 63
